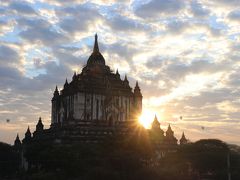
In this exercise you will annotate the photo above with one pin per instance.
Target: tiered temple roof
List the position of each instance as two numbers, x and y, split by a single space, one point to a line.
98 77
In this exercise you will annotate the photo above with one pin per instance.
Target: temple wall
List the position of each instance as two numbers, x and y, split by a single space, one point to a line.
78 106
88 106
98 106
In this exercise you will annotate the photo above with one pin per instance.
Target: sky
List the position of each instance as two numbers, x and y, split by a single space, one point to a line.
184 54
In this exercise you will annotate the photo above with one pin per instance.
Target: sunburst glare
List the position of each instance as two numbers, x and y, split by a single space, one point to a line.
146 118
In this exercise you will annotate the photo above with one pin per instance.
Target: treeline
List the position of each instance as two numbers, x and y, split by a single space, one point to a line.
9 161
131 158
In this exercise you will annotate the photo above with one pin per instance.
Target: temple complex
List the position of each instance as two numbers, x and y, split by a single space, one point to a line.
94 105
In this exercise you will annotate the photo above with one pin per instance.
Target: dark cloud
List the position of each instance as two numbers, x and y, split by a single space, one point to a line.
12 77
120 23
235 47
234 15
176 70
22 8
2 10
9 75
45 36
123 50
63 2
25 23
198 10
155 8
8 55
215 31
177 26
78 18
55 75
156 63
39 30
234 80
209 98
66 57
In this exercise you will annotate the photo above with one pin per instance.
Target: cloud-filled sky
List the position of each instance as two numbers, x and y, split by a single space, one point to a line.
184 54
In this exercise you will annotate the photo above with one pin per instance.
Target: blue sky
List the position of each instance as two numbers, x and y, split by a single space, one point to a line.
184 54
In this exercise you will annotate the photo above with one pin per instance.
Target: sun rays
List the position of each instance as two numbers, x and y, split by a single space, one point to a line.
146 118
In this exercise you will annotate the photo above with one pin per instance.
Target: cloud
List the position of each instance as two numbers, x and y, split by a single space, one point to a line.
232 3
155 8
99 2
40 31
6 27
8 55
63 3
198 10
22 8
119 23
177 26
234 15
227 106
234 79
175 70
79 19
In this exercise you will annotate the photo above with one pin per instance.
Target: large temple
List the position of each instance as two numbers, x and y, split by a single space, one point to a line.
94 105
96 95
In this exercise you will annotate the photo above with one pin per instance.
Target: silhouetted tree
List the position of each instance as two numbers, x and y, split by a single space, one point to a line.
9 160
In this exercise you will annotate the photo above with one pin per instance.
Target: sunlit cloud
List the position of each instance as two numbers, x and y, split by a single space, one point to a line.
227 107
191 86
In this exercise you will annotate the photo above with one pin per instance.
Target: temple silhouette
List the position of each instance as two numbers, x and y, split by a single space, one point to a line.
95 105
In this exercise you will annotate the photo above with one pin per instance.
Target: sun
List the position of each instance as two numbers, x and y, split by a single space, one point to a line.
146 118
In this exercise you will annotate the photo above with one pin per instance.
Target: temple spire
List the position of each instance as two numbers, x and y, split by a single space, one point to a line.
28 133
39 126
66 84
74 76
138 86
17 143
183 139
125 79
95 48
169 127
17 138
137 91
155 123
117 74
96 57
28 130
56 93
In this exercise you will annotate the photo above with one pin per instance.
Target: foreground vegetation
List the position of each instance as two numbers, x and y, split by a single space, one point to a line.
128 159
